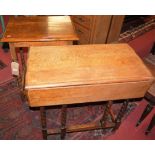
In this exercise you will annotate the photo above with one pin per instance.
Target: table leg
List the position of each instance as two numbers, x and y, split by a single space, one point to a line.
104 118
146 111
43 122
13 52
22 58
121 114
63 121
14 59
151 125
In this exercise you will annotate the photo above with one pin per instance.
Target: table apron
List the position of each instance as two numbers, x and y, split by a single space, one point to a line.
43 43
86 93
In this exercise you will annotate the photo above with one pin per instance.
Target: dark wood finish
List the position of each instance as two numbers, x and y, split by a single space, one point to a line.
151 125
150 67
102 124
106 113
73 128
22 58
153 49
63 121
121 114
43 122
145 113
84 127
150 94
150 97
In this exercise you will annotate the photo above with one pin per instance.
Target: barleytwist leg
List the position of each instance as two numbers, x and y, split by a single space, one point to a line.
43 122
22 58
104 118
63 121
120 114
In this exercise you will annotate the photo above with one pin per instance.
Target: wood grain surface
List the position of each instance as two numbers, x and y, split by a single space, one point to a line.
86 93
83 64
39 28
83 73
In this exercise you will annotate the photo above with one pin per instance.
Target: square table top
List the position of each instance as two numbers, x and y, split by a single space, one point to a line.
60 66
39 28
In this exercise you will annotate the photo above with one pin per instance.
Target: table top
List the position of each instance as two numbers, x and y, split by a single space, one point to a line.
72 65
39 28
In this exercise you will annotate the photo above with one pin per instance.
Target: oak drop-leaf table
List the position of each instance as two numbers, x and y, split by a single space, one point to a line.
76 74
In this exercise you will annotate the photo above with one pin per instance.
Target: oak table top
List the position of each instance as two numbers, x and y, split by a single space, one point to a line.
109 71
39 28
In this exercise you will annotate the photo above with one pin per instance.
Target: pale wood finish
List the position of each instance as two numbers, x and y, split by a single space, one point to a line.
100 29
97 29
26 31
115 28
91 29
85 21
13 51
83 34
53 43
84 73
13 46
86 93
39 28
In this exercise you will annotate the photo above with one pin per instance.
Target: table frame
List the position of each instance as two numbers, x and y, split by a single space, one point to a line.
14 45
102 124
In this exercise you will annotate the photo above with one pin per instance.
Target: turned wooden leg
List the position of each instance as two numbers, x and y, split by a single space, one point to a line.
104 118
151 125
146 111
22 58
121 114
15 59
13 52
63 121
43 122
